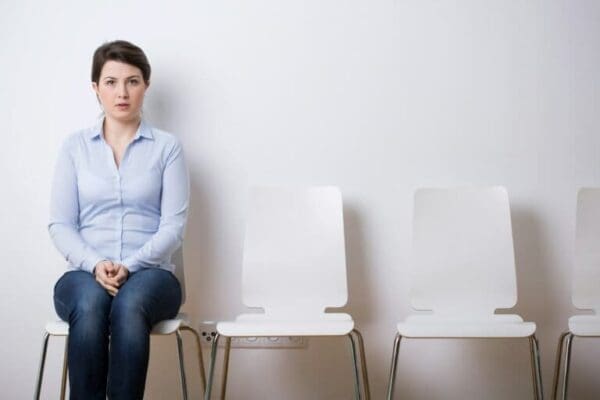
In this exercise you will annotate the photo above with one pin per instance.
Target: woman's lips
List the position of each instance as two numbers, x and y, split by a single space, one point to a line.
122 106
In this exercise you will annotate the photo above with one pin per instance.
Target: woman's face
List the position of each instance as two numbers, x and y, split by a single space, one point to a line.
121 89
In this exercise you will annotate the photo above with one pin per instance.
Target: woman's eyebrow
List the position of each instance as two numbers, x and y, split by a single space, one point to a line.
129 77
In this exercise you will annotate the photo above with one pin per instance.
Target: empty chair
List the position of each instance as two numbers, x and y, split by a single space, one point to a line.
462 270
293 268
586 283
165 327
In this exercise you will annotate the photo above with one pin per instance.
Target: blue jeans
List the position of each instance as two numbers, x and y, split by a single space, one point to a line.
118 370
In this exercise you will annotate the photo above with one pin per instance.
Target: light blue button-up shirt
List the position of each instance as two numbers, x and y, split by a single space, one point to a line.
134 214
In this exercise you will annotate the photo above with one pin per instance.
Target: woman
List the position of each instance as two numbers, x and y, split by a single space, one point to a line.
118 212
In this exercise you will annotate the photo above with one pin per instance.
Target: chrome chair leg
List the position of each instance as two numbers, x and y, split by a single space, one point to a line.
393 367
565 379
558 363
363 364
181 365
63 383
38 387
200 358
538 390
211 367
355 365
225 367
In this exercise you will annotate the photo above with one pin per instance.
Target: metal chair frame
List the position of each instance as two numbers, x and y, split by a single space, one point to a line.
538 392
361 391
65 367
565 344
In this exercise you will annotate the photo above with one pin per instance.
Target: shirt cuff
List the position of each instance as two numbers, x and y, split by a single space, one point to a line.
90 263
131 264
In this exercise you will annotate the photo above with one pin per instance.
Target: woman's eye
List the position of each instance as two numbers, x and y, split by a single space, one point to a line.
134 82
110 83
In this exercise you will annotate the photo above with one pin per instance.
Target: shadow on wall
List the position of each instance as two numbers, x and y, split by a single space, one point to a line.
360 300
537 294
535 289
540 301
199 252
163 377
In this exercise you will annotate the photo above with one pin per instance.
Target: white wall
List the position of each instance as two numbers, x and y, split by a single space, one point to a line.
377 97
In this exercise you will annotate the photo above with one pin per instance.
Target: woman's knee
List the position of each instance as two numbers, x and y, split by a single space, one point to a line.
148 296
78 296
127 308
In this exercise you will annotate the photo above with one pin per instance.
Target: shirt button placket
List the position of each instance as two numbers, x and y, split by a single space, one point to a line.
120 221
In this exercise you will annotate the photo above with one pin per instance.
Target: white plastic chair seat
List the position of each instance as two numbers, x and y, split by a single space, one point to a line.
164 327
495 326
57 328
585 325
334 324
169 326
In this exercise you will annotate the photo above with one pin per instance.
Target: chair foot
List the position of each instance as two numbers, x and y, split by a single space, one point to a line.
200 357
211 367
565 386
558 363
355 365
225 367
538 389
38 387
63 384
181 365
392 378
363 364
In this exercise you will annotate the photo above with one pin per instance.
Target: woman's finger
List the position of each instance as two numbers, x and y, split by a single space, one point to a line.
109 288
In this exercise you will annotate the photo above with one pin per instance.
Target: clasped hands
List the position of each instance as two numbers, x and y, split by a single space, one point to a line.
111 275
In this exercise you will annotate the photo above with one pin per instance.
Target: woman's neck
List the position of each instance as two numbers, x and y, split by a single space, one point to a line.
119 131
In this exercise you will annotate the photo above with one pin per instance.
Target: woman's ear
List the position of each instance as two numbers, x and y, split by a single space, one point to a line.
95 89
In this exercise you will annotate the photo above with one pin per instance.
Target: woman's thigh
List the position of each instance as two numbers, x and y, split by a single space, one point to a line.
78 293
152 293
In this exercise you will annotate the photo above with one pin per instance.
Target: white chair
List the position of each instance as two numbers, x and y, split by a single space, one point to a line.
463 269
165 327
294 267
586 283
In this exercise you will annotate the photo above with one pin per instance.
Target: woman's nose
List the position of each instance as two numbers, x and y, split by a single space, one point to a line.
123 91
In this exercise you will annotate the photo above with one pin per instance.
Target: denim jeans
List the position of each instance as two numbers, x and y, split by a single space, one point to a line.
99 367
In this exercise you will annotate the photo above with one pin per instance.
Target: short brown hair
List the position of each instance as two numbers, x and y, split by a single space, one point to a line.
123 51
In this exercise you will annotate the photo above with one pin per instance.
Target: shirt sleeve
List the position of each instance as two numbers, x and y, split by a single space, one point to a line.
173 215
64 215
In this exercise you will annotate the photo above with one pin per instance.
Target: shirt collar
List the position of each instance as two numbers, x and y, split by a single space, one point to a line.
144 130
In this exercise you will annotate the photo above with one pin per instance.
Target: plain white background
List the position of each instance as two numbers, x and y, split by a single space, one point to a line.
378 97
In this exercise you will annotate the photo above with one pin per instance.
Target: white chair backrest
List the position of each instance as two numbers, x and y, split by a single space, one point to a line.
586 271
463 256
177 259
294 256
